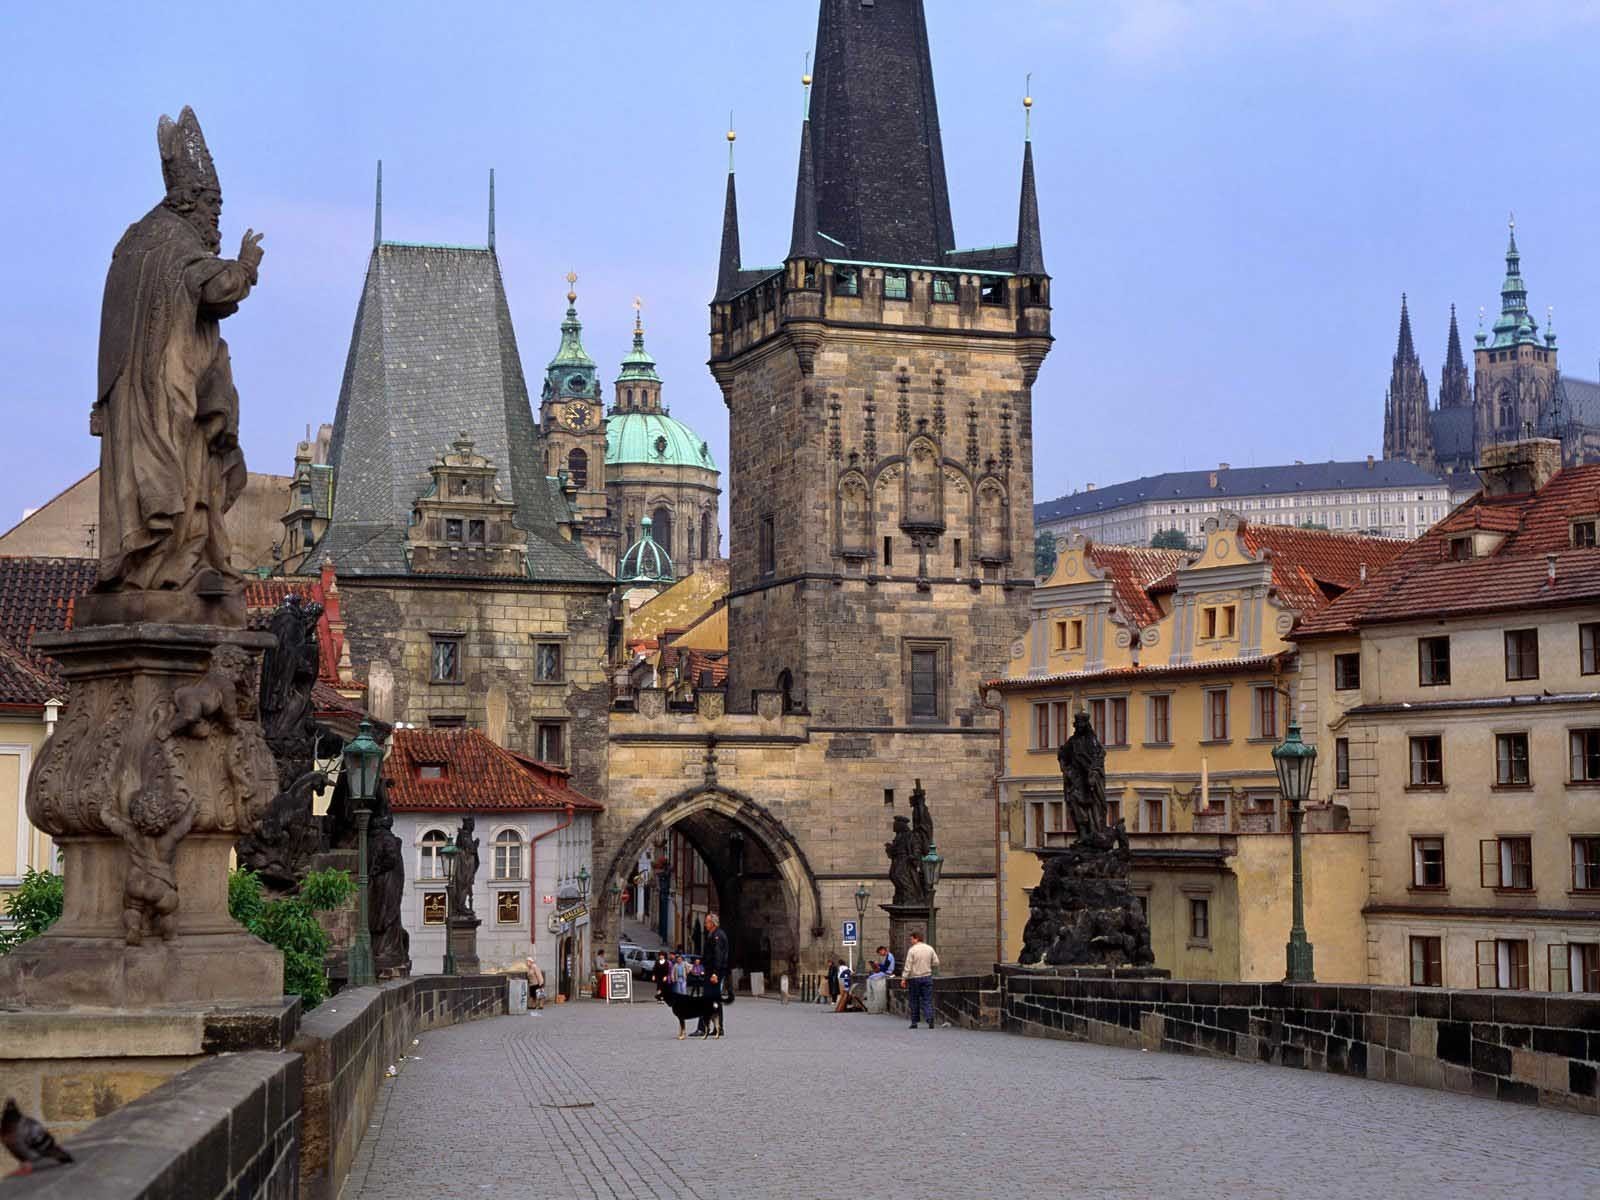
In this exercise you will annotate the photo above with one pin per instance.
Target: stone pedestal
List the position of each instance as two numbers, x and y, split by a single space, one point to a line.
1083 912
155 769
903 918
462 944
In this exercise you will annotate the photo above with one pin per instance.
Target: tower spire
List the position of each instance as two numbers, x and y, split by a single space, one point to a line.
377 211
1404 350
491 208
1407 428
1455 390
728 261
803 239
1030 247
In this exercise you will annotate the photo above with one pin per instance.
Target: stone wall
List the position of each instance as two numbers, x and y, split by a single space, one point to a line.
968 1001
1518 1046
224 1130
350 1042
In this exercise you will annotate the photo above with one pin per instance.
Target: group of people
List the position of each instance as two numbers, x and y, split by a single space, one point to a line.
917 978
685 975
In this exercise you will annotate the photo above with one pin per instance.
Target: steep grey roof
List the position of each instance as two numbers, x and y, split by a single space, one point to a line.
433 355
1238 483
880 181
1580 401
1452 431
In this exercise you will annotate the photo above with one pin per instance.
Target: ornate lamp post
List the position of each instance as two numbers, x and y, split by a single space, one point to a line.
363 758
863 894
932 868
1296 763
449 851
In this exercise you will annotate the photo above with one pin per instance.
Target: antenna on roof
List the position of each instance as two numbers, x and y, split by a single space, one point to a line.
732 137
377 211
1027 108
805 83
491 208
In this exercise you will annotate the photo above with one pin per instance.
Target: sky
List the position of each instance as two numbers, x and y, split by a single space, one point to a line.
1234 193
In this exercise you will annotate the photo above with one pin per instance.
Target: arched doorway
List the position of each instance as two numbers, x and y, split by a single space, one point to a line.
726 853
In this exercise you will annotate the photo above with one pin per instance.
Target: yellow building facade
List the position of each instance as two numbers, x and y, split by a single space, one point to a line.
1183 662
28 709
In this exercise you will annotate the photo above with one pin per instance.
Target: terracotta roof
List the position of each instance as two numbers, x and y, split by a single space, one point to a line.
1422 581
24 682
1312 566
1132 570
697 663
478 776
36 594
1210 666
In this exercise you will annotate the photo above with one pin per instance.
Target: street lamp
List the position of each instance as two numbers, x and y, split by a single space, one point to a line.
362 759
1296 763
863 893
932 868
448 852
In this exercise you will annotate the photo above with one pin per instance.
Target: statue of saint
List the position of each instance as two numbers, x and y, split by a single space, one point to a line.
466 869
166 411
921 824
905 867
1083 770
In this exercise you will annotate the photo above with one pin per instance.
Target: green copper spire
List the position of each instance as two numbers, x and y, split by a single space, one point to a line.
1515 323
571 372
637 365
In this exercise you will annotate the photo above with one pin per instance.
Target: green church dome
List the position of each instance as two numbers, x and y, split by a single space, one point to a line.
645 561
655 438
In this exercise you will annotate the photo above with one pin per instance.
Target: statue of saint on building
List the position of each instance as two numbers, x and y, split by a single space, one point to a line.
166 410
905 871
465 870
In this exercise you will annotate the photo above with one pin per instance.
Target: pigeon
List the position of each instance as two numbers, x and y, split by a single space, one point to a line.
28 1140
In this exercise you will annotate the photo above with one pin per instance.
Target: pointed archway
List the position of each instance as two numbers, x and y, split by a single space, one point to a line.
766 888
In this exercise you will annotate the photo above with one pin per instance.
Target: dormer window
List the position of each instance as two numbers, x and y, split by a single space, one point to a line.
430 772
1583 533
1460 549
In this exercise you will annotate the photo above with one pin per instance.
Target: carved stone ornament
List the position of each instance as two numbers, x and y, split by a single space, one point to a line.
652 702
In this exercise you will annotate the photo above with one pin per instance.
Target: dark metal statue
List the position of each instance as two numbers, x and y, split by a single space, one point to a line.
921 824
281 848
905 867
466 870
386 887
1083 776
166 410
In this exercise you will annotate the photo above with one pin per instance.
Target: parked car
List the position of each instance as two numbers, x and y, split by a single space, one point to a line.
639 960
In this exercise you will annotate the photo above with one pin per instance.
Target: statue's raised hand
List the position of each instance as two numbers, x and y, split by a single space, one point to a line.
250 249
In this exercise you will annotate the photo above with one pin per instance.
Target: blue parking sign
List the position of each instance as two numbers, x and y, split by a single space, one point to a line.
850 937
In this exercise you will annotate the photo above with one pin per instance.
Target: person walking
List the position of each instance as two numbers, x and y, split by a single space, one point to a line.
714 962
535 985
833 980
659 974
921 962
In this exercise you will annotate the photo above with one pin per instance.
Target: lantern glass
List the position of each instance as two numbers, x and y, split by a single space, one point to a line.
362 759
1296 764
862 893
932 867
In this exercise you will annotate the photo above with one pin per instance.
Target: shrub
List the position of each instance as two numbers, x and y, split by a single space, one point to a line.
33 908
290 924
1170 539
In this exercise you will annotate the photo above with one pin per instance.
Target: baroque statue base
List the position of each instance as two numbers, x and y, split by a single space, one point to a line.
1083 912
463 942
903 919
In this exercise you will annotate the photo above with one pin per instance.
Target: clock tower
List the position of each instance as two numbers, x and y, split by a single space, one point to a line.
572 420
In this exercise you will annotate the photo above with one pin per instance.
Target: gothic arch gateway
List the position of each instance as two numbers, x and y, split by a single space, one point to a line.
770 900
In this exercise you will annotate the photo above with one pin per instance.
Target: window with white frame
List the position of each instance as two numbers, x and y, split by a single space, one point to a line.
1506 863
508 854
1503 963
430 859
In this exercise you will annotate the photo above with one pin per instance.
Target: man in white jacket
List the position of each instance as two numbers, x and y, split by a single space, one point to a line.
921 962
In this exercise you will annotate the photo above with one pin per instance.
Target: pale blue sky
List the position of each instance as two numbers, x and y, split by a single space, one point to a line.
1234 192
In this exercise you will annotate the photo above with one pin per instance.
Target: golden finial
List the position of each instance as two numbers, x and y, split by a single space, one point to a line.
638 317
1027 107
732 137
572 284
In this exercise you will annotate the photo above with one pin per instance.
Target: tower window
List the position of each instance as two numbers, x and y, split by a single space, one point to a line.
992 291
661 528
888 551
896 285
846 281
944 289
578 466
453 529
769 546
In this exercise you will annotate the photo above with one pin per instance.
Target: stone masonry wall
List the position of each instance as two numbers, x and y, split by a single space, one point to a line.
393 623
1518 1046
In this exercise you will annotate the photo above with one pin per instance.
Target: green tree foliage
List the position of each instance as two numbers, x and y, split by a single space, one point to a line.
33 908
1044 553
1312 525
290 924
1170 539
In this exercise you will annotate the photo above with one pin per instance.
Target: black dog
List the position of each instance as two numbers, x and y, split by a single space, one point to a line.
705 1007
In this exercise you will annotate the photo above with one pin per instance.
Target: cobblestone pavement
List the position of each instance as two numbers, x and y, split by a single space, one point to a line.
589 1101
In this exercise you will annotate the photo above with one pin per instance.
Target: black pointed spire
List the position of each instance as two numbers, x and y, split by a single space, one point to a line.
1455 389
803 240
1404 350
881 192
1030 248
728 263
1452 354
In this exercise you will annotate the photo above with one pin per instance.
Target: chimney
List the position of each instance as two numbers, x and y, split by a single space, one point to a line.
1369 462
1222 466
1550 570
1519 468
1088 487
1363 572
1213 479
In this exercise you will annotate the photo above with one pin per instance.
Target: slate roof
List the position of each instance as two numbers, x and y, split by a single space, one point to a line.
1237 482
478 776
432 355
1580 401
1452 430
1422 581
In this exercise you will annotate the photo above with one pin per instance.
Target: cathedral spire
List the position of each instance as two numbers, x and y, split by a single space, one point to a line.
1455 390
1407 428
1030 247
1515 324
1404 350
728 262
880 188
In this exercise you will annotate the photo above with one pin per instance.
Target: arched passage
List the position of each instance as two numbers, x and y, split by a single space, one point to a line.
766 892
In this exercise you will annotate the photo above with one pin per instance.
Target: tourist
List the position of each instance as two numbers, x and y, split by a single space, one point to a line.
714 965
885 963
659 974
535 985
921 962
680 974
833 980
843 1002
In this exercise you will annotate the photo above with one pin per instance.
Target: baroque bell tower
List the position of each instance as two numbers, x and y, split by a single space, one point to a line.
879 390
572 420
1514 370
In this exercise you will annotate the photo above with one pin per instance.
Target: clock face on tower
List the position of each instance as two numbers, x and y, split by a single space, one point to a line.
578 416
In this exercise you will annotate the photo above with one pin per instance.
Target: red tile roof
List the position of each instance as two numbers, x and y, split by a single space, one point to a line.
1312 566
36 594
1132 570
478 776
1423 582
1210 666
24 681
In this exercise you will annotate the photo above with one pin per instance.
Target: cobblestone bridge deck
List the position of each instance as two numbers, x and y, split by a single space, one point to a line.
589 1101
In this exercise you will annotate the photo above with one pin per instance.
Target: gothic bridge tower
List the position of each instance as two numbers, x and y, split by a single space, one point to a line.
879 390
